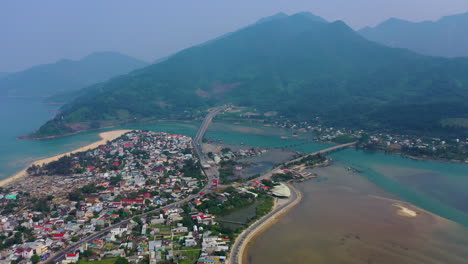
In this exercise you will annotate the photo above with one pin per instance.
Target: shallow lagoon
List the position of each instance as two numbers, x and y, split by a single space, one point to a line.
348 219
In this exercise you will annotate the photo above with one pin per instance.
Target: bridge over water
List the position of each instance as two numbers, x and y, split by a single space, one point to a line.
323 151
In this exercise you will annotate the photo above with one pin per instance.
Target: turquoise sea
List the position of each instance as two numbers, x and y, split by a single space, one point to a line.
434 186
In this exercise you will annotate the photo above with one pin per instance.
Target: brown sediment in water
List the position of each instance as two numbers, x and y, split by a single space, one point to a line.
267 223
349 220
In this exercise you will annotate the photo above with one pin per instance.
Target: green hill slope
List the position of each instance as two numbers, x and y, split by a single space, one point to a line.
67 75
296 65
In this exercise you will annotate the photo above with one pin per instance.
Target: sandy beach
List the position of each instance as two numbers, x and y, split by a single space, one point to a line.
105 136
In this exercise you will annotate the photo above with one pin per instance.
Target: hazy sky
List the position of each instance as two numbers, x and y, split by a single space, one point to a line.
43 31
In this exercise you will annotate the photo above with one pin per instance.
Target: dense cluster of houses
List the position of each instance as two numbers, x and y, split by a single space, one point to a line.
136 173
158 238
387 142
228 154
139 171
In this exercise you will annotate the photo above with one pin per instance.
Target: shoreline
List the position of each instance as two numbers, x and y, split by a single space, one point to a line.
424 158
105 136
28 137
412 207
243 240
387 222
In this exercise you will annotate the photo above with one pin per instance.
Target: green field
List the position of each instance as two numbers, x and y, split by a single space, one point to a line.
192 256
104 261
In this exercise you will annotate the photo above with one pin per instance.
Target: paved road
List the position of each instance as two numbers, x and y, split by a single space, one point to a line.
269 174
211 173
73 247
235 256
323 151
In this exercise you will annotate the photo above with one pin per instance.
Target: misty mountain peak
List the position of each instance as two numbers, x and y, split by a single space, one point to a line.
394 21
445 37
282 15
454 19
311 16
276 16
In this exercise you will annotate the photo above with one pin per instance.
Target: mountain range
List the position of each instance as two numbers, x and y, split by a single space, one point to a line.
447 37
297 65
67 75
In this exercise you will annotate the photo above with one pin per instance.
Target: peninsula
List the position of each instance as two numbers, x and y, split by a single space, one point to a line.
105 136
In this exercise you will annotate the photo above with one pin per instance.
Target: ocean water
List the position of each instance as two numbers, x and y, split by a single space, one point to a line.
21 116
434 186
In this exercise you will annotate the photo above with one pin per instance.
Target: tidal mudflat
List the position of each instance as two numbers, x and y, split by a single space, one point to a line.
344 218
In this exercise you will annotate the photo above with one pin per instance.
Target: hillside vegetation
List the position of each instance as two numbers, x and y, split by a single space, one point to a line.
299 66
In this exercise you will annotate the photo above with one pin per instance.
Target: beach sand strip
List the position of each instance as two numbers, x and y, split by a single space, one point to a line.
105 136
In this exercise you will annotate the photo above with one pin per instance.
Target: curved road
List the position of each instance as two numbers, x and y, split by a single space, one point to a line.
239 246
211 173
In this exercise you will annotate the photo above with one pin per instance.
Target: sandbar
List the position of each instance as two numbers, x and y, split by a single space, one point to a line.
105 136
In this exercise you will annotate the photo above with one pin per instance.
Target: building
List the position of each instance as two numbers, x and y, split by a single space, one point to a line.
71 258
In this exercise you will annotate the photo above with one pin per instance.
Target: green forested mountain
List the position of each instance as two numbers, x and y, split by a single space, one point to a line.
67 75
447 37
297 65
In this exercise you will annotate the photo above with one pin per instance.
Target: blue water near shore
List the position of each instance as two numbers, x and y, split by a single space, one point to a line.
434 186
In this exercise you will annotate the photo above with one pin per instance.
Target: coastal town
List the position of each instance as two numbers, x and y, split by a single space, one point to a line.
443 148
144 190
142 198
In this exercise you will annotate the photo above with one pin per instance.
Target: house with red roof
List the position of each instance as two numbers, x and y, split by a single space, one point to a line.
38 227
132 201
59 236
71 258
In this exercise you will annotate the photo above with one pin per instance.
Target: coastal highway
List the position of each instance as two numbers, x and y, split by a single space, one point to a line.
269 174
211 173
237 250
323 151
59 256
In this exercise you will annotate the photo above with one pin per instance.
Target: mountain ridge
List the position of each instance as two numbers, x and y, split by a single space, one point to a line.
67 75
446 37
296 66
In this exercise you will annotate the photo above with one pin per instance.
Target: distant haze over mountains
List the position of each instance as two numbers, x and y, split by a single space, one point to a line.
300 66
447 37
67 75
3 74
